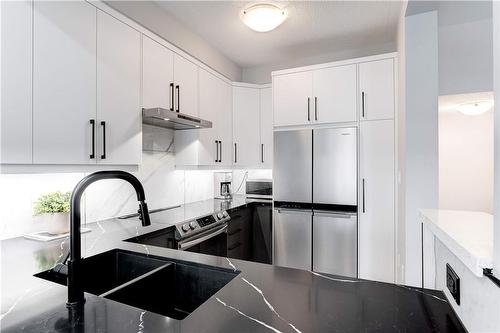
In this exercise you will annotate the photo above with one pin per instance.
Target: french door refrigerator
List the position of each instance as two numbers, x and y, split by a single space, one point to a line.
315 200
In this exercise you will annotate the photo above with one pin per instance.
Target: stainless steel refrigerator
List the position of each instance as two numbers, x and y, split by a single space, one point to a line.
315 200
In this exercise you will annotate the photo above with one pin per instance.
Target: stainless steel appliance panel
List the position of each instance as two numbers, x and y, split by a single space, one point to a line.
292 171
335 243
335 166
292 238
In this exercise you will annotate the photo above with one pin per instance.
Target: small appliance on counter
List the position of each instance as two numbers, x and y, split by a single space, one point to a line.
222 185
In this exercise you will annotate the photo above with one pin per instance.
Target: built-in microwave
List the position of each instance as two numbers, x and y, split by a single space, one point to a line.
259 189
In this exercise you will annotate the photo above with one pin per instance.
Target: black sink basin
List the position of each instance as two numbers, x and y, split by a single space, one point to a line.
166 286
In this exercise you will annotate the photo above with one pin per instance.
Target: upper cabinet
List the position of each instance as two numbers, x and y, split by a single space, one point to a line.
64 82
16 82
334 94
325 95
246 124
157 75
376 89
118 91
292 98
266 127
186 86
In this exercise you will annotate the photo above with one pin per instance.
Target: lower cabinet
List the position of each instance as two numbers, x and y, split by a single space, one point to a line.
249 234
376 201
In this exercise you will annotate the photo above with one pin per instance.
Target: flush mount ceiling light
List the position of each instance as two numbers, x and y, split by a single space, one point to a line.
263 17
475 108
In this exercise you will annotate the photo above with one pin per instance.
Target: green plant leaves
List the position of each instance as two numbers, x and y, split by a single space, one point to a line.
55 202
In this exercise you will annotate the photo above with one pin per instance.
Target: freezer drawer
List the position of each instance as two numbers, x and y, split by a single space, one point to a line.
335 166
335 243
292 238
293 166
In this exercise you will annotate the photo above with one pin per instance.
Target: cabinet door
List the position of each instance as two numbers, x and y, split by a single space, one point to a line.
266 128
292 238
376 201
64 82
16 27
118 89
186 86
157 75
224 125
334 92
292 99
208 149
246 124
376 85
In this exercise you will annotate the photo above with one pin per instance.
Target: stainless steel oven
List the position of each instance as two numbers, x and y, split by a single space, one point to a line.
213 241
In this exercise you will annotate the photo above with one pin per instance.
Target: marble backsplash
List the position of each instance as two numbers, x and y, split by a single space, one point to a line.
164 185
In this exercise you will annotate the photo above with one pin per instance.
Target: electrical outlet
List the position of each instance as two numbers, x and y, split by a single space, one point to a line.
453 283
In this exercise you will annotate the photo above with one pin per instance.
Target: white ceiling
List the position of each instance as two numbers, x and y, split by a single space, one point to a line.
311 29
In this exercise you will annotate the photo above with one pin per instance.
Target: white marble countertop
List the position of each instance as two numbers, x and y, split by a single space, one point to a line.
468 235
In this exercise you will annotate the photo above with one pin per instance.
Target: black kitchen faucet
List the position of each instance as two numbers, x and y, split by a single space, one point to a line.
74 264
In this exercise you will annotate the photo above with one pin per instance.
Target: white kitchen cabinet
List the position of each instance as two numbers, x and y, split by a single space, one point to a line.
334 94
292 98
16 82
186 86
246 126
376 201
118 92
157 75
64 82
208 146
224 122
266 128
376 89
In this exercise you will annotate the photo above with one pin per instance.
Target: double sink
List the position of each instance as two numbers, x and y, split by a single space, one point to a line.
169 287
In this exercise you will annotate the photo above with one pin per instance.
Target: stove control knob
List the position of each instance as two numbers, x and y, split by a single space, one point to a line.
225 214
185 227
192 225
219 215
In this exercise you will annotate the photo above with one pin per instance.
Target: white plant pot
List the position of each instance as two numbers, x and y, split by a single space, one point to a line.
57 223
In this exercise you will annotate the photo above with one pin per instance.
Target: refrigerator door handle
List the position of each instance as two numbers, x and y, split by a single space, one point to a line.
363 196
334 214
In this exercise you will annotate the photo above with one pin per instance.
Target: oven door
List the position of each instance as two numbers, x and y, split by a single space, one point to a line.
213 242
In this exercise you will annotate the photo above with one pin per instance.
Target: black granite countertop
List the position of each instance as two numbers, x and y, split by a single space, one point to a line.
262 298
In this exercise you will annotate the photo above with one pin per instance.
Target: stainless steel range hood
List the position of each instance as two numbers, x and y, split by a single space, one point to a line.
173 120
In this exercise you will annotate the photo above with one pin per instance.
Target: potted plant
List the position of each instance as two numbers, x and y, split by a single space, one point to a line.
55 208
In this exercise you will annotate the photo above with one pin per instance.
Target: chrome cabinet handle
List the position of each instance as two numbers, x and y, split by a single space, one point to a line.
172 96
220 153
262 152
315 108
103 124
363 104
308 109
235 153
92 154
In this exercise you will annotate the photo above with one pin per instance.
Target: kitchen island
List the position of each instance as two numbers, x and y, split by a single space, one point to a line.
260 298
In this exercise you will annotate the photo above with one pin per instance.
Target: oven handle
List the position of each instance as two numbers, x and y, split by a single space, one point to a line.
188 244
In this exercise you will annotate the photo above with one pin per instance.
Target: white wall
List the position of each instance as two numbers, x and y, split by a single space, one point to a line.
401 146
496 80
421 160
153 17
262 74
465 57
466 161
